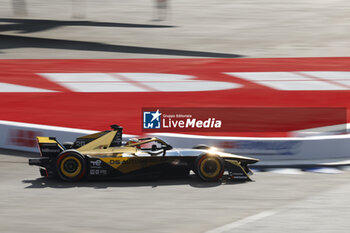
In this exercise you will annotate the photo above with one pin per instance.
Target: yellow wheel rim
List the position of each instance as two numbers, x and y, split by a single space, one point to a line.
204 169
74 172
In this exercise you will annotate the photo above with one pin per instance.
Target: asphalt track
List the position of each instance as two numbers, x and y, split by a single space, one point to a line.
196 28
302 202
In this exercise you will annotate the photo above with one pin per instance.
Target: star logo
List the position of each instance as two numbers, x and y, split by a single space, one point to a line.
156 115
152 120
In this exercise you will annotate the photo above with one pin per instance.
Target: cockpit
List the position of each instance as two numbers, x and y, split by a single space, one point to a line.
152 146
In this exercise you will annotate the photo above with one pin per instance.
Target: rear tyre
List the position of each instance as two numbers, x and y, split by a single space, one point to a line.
71 166
209 167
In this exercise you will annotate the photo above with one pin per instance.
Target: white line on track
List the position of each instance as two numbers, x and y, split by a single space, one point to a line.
229 227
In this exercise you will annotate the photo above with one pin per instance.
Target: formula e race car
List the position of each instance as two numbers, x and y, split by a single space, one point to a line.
104 155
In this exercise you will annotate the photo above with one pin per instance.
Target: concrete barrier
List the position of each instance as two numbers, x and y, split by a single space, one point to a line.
273 151
333 149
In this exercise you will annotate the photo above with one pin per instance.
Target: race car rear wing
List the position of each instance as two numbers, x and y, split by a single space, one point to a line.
49 146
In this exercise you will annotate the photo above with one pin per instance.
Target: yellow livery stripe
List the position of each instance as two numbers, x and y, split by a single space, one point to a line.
45 140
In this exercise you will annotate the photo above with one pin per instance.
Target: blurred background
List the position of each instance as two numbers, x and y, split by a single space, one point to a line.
267 28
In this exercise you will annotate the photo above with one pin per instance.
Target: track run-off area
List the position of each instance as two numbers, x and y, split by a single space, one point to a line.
93 94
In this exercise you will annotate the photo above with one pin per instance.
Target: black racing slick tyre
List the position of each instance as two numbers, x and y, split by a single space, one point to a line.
71 166
209 167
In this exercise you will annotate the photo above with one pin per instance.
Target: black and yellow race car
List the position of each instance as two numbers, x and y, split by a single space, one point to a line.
104 155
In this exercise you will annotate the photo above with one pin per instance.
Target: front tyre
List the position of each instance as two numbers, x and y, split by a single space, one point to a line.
71 166
209 167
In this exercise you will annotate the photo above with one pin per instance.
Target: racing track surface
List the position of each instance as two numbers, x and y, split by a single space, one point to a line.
305 202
